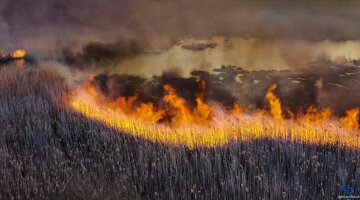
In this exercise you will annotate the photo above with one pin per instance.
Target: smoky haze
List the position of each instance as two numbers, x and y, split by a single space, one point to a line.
166 41
45 25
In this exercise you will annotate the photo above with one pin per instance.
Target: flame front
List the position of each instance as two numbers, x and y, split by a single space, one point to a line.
200 126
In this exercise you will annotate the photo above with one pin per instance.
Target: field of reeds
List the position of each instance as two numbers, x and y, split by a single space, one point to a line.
48 151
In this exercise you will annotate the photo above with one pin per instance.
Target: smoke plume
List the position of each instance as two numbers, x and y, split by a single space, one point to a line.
310 48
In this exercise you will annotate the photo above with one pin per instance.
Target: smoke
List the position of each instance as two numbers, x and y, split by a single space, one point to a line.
150 37
95 53
137 46
251 54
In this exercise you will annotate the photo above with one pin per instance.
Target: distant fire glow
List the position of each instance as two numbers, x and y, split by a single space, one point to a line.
18 57
20 53
173 122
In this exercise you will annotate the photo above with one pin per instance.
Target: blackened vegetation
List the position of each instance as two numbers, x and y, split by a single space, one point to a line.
50 152
116 85
96 53
113 86
323 85
199 46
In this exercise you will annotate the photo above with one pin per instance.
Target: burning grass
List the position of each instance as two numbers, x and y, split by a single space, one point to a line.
210 125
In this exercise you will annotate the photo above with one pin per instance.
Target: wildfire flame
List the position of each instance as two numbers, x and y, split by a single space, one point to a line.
19 57
20 53
237 109
274 102
315 115
351 120
145 111
182 113
176 123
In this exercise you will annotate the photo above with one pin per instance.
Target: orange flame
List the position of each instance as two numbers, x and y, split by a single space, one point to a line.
202 111
89 88
20 53
313 115
291 113
237 109
125 104
145 111
274 102
351 120
182 113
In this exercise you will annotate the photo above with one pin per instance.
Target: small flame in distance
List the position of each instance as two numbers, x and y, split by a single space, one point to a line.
20 53
19 57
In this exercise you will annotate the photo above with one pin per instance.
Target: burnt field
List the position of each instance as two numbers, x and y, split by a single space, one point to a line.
49 151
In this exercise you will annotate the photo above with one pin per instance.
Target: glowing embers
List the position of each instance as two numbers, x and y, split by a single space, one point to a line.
203 125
